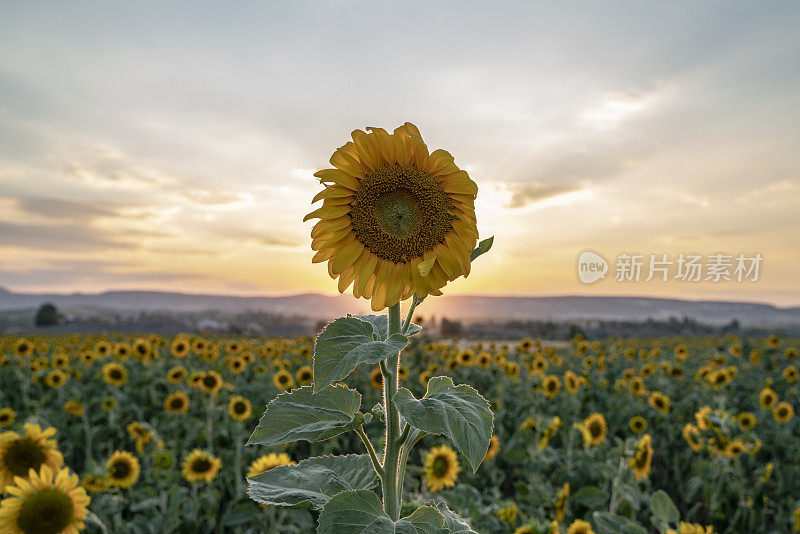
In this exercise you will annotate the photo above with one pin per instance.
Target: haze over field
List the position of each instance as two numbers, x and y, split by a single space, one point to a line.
171 146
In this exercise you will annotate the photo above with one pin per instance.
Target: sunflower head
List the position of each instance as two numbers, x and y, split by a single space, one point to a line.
239 408
177 402
7 416
441 468
638 424
47 502
594 429
211 382
304 375
283 380
200 466
783 412
396 220
494 448
20 454
267 462
123 469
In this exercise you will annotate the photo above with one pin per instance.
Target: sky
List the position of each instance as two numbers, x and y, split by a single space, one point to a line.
171 145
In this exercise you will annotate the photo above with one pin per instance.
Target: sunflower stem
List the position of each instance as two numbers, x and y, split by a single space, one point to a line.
410 314
391 457
371 450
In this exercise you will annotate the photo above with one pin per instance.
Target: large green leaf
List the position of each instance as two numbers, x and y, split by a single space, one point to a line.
452 521
663 507
361 512
606 523
482 248
380 325
347 342
304 415
313 481
458 412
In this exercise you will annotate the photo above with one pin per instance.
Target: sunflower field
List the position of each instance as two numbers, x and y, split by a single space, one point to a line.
146 434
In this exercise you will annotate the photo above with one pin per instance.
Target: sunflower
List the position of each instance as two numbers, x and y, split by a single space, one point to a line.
659 402
746 420
466 357
74 407
571 382
239 408
179 347
20 454
115 374
512 370
791 373
642 459
48 502
783 412
103 348
692 436
122 350
177 402
561 502
123 469
550 385
525 529
108 403
402 372
638 424
767 398
237 365
579 526
484 360
637 386
211 382
304 375
509 513
56 378
94 483
87 357
23 348
283 380
7 416
395 220
594 429
176 374
267 462
200 466
441 468
376 378
525 345
494 448
60 361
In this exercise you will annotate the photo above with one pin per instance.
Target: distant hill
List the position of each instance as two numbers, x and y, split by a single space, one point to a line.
457 307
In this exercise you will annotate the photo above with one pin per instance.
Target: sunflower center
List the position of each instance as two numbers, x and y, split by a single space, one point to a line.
23 455
120 469
399 213
177 404
46 512
209 381
239 407
116 374
440 465
201 465
595 428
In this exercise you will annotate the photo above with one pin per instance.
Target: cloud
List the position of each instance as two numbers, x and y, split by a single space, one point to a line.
56 237
529 193
53 208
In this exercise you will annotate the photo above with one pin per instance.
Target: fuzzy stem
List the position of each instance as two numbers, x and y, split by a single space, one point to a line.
371 450
389 369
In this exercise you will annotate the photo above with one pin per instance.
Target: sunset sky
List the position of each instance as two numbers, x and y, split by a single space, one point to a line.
171 145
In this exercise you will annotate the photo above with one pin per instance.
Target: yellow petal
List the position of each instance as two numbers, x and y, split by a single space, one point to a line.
346 256
338 177
459 182
327 212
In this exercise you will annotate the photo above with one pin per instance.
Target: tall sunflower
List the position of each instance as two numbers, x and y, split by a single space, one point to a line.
642 458
396 220
239 408
441 468
123 469
594 429
114 374
20 454
7 416
200 466
47 502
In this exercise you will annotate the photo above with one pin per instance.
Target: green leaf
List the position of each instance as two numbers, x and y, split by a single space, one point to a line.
663 507
380 325
482 248
458 412
346 343
452 521
427 520
361 512
590 497
303 415
313 481
605 523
